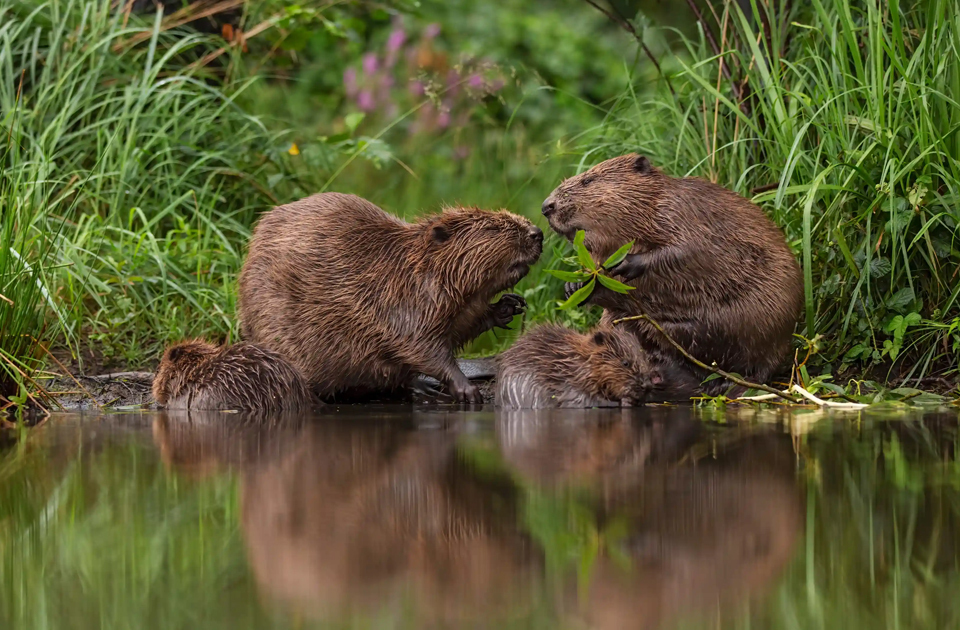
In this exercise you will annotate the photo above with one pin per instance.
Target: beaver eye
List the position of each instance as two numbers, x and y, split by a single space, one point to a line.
625 363
586 181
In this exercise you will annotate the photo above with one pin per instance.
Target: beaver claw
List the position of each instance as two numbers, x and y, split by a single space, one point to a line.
629 268
570 288
506 308
466 394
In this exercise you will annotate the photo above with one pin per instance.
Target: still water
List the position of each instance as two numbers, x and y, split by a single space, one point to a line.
399 518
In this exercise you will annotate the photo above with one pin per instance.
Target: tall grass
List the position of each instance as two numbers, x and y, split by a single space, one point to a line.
841 119
25 249
130 183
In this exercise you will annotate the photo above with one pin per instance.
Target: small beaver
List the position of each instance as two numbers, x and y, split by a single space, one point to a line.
707 264
359 299
553 366
200 375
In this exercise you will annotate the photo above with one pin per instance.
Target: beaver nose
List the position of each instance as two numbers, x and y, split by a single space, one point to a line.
548 207
536 234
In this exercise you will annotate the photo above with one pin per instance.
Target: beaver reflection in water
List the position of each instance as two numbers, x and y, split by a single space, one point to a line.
342 520
200 375
360 300
708 265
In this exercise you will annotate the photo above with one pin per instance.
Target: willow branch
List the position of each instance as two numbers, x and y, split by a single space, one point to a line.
701 364
630 28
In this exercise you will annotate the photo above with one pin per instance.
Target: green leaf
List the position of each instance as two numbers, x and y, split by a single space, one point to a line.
854 352
900 299
353 120
613 285
585 258
569 276
880 267
894 324
617 256
579 295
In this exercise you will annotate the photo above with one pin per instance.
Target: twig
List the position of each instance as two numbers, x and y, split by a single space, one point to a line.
256 30
827 403
40 391
65 370
765 188
625 24
179 18
806 394
701 364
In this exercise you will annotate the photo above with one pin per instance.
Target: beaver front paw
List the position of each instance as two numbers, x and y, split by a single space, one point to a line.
466 393
629 268
507 307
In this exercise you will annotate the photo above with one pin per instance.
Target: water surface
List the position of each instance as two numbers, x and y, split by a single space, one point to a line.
395 517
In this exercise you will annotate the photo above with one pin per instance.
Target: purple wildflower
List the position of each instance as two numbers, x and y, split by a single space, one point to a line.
365 101
475 81
416 88
443 120
431 31
370 63
397 37
350 82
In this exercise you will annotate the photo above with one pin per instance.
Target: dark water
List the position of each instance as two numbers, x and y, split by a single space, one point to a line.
392 518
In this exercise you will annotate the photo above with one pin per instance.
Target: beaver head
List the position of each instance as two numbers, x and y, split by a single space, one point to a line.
478 251
617 363
613 202
178 365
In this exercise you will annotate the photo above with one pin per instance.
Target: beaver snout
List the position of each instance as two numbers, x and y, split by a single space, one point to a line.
535 234
549 207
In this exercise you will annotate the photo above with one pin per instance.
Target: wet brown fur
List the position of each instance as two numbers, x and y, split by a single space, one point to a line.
200 375
718 274
358 298
553 366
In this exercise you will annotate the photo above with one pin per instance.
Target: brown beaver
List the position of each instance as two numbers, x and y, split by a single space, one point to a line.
200 375
553 366
707 264
358 298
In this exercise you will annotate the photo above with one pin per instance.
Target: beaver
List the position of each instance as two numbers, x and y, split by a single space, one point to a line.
553 366
360 299
197 374
707 265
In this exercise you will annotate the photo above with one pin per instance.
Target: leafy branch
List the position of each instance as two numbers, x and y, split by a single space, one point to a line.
589 274
710 368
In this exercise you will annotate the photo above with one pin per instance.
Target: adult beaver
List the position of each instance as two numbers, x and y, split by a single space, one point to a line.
553 366
199 375
707 264
359 299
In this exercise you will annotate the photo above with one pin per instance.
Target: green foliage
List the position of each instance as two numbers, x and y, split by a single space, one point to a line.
589 273
128 185
842 124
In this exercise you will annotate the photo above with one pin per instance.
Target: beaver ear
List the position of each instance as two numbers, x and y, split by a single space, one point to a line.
439 233
599 338
642 165
175 353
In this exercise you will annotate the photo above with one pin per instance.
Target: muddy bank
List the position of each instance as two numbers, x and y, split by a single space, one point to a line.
131 390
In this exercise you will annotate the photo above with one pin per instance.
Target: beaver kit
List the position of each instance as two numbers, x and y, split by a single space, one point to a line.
707 265
553 366
200 375
358 298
